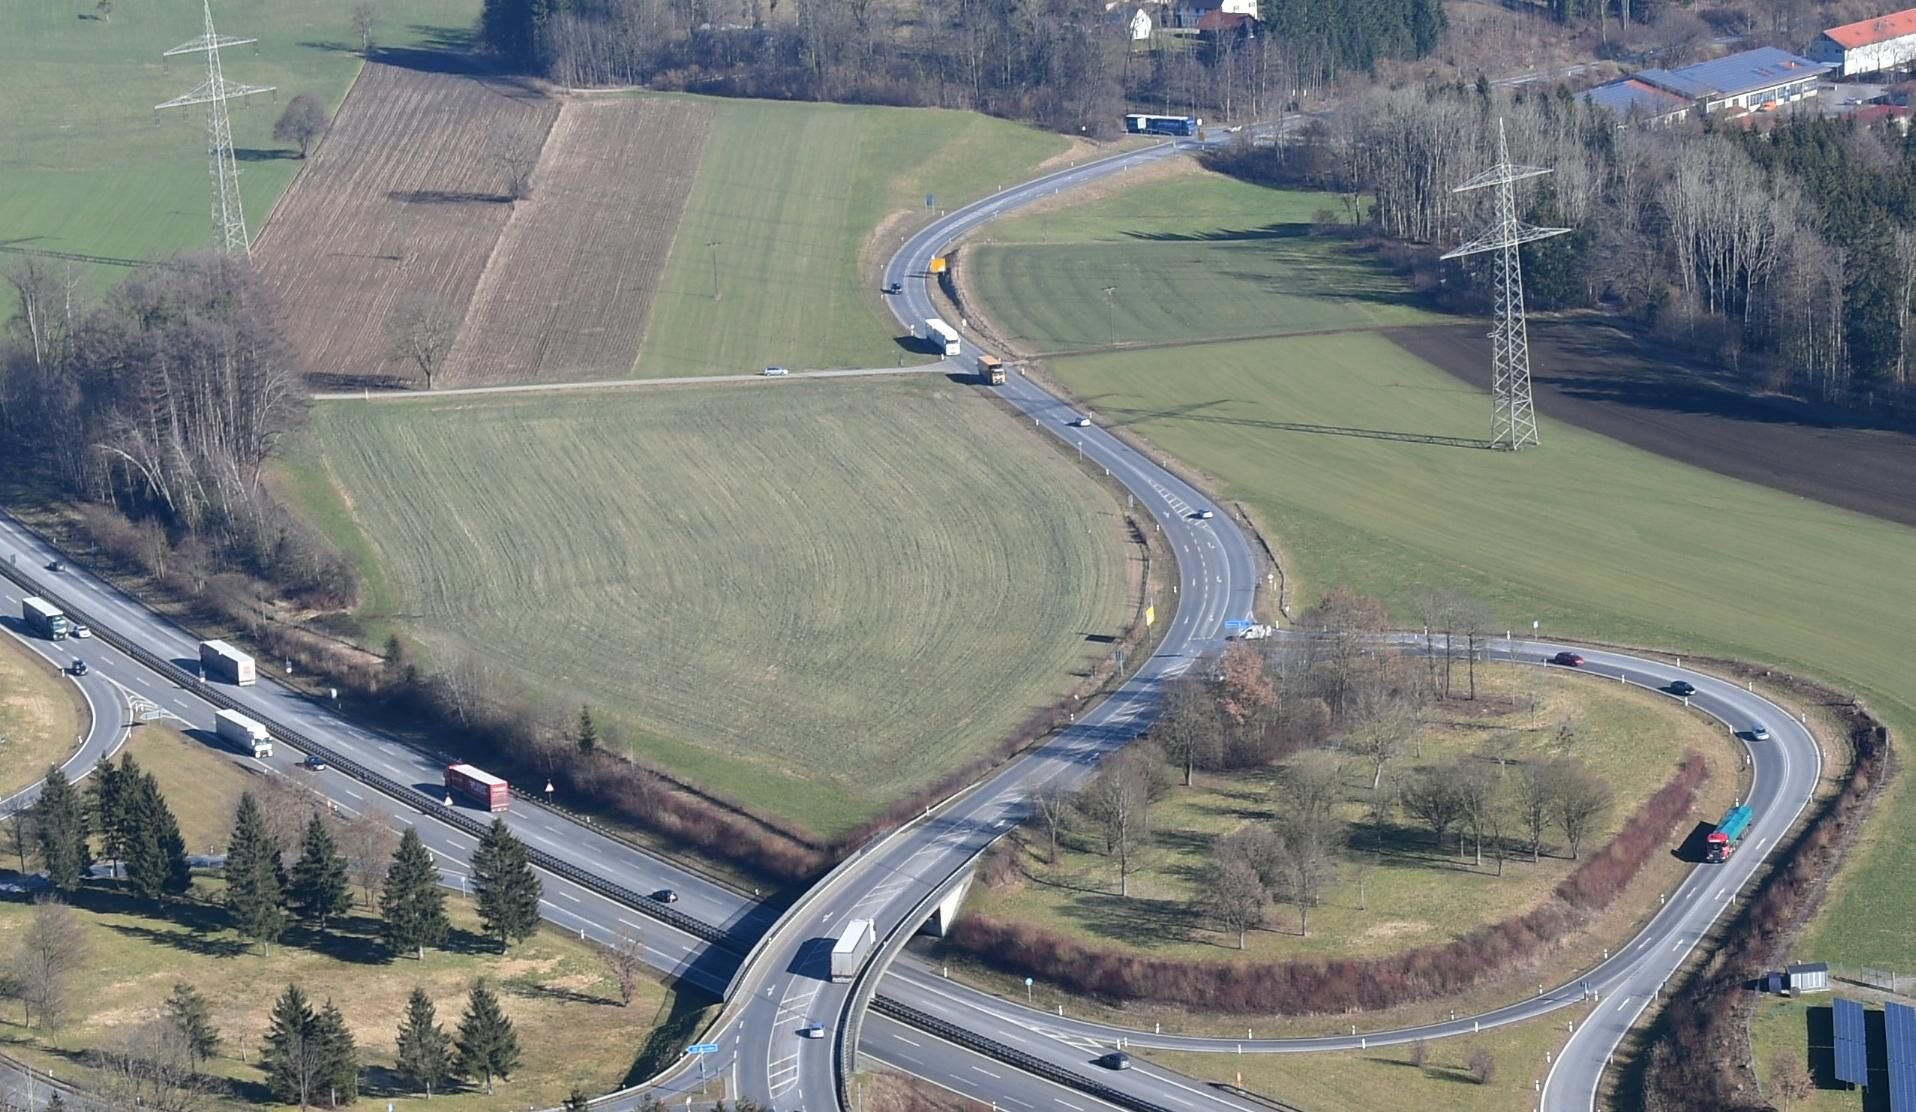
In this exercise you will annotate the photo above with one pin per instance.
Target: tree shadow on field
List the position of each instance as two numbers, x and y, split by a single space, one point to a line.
446 197
264 154
185 941
1283 230
531 990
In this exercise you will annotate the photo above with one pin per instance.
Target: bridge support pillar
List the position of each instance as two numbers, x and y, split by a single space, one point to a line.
946 913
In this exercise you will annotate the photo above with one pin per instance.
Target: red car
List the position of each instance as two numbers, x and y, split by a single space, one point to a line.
1567 659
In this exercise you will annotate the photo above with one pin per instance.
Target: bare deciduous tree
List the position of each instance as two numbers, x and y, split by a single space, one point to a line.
1790 1078
368 842
1431 797
51 947
422 329
1118 801
1234 897
1306 861
625 960
1483 1066
1534 802
514 147
1309 785
1583 801
1381 728
303 122
151 1067
1475 783
1187 728
1050 809
365 16
20 838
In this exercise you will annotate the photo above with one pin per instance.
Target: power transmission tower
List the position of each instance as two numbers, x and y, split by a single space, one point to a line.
1513 422
229 222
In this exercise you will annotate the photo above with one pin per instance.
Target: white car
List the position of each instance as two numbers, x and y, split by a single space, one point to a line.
812 1031
775 372
1759 732
1082 422
80 630
1206 515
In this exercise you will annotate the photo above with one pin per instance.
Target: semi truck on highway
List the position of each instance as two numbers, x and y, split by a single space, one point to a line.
1723 840
942 336
224 662
479 786
852 948
1142 124
991 369
44 618
243 733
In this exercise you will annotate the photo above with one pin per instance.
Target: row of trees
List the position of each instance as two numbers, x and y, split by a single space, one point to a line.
1069 65
1789 255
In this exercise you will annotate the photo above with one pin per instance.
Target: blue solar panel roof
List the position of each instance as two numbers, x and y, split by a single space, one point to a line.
1852 1049
1899 1027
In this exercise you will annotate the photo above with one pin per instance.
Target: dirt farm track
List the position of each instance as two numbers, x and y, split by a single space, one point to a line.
1602 379
404 198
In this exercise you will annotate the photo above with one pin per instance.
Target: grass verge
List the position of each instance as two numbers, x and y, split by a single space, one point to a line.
42 716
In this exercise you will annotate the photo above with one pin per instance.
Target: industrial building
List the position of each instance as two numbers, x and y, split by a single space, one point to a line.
1879 45
1757 80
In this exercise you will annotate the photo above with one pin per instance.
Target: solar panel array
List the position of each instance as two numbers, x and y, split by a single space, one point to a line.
1852 1051
1899 1024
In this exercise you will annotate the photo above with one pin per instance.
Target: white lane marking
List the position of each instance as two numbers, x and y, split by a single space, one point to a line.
903 1039
988 1073
1068 1104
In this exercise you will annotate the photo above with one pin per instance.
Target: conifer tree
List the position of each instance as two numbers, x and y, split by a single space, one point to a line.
425 1050
253 890
507 888
487 1044
319 888
339 1065
155 852
187 1011
587 736
413 903
294 1055
106 798
60 823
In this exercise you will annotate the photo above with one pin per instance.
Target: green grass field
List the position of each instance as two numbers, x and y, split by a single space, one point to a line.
792 195
87 166
1190 257
1584 534
812 596
1413 893
41 717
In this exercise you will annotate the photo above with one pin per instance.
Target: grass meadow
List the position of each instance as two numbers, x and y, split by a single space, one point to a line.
88 167
41 716
1586 535
1413 893
811 596
770 263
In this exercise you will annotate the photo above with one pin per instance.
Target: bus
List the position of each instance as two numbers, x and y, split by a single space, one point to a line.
941 336
1141 124
220 660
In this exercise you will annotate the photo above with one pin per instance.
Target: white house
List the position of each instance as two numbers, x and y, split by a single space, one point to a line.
1887 42
1140 25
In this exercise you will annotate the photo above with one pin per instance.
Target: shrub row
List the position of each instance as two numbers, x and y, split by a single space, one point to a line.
1304 987
1698 1056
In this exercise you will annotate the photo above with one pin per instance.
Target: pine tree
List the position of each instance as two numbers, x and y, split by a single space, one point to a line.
425 1050
155 853
486 1042
253 887
339 1065
588 733
294 1055
411 900
186 1010
60 822
319 887
507 888
106 798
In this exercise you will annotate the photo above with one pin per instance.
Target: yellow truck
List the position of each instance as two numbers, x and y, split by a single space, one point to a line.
991 369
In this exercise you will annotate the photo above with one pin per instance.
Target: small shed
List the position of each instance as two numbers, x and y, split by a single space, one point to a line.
1808 977
1773 982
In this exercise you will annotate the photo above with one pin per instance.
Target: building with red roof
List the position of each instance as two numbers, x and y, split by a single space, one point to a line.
1887 42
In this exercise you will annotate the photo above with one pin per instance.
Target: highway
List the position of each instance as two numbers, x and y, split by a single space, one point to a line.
784 987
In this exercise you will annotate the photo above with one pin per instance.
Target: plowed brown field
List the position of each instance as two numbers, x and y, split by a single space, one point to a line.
568 290
401 198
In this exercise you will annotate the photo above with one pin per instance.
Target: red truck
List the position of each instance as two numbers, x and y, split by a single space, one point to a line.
479 786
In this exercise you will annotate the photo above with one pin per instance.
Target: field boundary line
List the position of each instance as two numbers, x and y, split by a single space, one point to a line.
370 395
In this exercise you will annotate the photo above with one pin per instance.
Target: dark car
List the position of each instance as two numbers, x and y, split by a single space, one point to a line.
1116 1060
1567 659
314 763
1682 687
666 896
56 565
895 287
79 667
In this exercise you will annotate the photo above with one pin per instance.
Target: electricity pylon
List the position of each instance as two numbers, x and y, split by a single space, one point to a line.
229 222
1513 422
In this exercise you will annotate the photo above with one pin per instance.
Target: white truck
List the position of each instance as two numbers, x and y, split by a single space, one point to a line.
852 948
942 337
44 618
222 661
244 733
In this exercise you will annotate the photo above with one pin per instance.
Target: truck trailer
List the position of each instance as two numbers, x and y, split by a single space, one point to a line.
1723 840
222 661
479 786
245 734
943 337
1140 123
852 948
991 369
44 618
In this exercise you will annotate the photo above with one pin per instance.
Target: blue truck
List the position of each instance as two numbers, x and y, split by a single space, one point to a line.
1723 840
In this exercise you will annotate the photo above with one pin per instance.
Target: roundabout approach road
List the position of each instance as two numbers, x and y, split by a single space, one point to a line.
784 985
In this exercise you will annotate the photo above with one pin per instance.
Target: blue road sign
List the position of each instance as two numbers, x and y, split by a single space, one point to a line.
931 200
1236 625
702 1048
